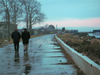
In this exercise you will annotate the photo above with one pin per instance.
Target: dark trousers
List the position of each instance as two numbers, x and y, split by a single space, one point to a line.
16 46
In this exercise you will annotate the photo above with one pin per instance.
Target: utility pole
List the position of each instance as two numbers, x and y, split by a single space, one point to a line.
56 27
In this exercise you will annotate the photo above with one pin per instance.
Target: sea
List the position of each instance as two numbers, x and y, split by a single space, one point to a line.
96 36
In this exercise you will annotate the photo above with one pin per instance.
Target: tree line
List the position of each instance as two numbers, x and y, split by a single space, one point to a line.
15 11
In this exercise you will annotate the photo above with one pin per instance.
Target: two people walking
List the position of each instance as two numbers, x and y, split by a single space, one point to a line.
16 39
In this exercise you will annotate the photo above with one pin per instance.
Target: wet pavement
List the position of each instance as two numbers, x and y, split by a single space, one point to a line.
44 57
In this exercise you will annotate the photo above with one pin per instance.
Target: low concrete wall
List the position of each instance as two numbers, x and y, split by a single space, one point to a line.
88 66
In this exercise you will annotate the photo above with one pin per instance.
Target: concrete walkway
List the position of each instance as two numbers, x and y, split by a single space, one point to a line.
43 58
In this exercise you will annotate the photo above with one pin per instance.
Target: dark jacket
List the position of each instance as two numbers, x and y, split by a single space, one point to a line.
15 36
25 37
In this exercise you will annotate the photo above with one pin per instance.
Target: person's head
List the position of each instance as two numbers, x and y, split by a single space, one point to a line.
25 29
15 29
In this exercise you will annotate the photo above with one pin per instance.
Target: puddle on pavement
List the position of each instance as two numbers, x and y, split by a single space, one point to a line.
55 43
49 47
27 69
48 51
17 59
54 60
26 57
49 54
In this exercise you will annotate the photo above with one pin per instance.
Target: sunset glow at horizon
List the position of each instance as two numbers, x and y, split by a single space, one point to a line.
92 22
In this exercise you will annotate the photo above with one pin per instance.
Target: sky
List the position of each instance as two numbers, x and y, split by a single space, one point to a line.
83 15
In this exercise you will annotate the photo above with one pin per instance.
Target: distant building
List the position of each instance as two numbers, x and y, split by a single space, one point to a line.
74 31
4 29
59 32
96 32
35 32
50 28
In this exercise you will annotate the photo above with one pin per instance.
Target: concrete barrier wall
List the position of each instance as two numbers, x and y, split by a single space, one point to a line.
88 66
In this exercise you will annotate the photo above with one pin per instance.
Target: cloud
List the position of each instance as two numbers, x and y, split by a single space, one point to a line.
21 25
92 22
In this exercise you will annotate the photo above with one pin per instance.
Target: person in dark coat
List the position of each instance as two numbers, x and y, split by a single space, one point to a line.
16 38
25 38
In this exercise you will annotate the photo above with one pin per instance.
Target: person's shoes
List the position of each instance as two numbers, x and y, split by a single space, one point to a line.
24 50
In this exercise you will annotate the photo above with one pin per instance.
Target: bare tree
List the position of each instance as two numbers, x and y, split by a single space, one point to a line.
16 11
25 6
32 13
35 15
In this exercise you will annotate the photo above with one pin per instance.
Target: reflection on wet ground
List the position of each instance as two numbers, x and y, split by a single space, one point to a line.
44 57
17 57
27 69
26 57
